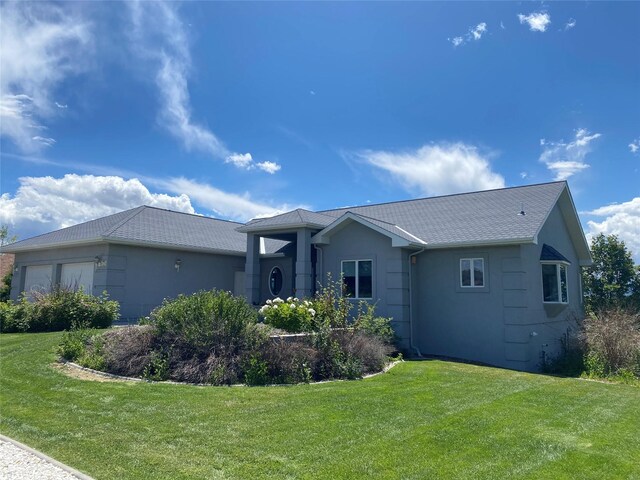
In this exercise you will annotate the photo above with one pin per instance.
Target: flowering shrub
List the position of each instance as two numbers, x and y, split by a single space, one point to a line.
292 315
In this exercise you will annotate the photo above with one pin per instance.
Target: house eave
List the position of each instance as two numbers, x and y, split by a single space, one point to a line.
135 243
484 243
47 246
284 228
170 246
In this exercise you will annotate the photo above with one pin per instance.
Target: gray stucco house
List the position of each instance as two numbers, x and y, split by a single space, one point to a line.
491 276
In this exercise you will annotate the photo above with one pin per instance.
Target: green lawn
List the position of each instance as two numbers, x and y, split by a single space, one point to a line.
429 419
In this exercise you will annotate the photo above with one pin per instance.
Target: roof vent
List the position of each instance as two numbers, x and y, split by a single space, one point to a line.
522 212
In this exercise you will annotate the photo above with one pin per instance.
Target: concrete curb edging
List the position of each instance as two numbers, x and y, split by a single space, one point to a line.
112 376
46 458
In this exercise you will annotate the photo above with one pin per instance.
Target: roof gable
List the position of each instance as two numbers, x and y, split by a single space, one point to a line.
398 236
294 219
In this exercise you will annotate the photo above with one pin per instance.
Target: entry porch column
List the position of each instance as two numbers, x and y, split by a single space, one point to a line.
252 269
304 268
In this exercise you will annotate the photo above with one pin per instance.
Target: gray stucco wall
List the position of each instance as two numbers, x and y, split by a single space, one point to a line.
140 278
505 324
390 271
137 277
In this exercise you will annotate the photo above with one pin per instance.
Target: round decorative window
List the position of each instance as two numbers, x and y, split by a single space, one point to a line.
275 281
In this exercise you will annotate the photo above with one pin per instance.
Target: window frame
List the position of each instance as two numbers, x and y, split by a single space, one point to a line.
281 280
558 265
357 276
471 261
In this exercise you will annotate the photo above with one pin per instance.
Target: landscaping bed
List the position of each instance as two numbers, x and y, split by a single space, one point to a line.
212 337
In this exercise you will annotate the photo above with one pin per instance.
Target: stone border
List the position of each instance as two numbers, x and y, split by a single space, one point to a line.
119 378
46 458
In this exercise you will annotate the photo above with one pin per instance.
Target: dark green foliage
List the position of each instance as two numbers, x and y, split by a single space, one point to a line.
368 322
158 367
207 322
207 336
612 281
5 286
58 310
256 371
74 342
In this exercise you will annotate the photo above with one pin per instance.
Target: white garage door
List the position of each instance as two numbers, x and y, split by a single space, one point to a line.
38 278
77 275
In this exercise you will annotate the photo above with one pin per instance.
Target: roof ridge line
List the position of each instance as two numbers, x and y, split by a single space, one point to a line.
441 196
136 211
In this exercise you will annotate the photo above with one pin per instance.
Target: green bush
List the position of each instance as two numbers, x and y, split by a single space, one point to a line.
158 367
58 310
207 322
367 322
331 304
256 371
291 315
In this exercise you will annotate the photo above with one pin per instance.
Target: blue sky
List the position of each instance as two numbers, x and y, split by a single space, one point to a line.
237 110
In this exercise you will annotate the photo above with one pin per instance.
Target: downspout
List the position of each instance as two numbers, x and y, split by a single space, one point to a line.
411 346
319 255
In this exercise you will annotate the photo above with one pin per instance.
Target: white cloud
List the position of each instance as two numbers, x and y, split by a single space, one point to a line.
42 44
537 21
622 219
269 167
241 160
570 24
160 37
60 105
502 26
48 142
225 204
45 203
245 161
634 146
436 169
567 159
478 31
474 33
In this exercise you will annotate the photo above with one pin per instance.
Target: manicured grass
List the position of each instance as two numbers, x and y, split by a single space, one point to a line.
429 419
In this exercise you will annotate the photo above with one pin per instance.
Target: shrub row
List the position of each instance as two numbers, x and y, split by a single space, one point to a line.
603 345
57 310
213 337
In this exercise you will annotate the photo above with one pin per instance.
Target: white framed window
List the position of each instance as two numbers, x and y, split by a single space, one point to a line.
472 272
554 283
357 276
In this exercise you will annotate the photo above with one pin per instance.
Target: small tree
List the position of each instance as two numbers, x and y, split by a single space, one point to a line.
5 281
612 281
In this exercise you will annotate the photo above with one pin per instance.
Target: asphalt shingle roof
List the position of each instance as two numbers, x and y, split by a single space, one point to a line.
299 216
491 216
151 226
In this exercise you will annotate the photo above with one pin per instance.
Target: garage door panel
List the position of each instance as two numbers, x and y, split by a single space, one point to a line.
78 275
38 278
